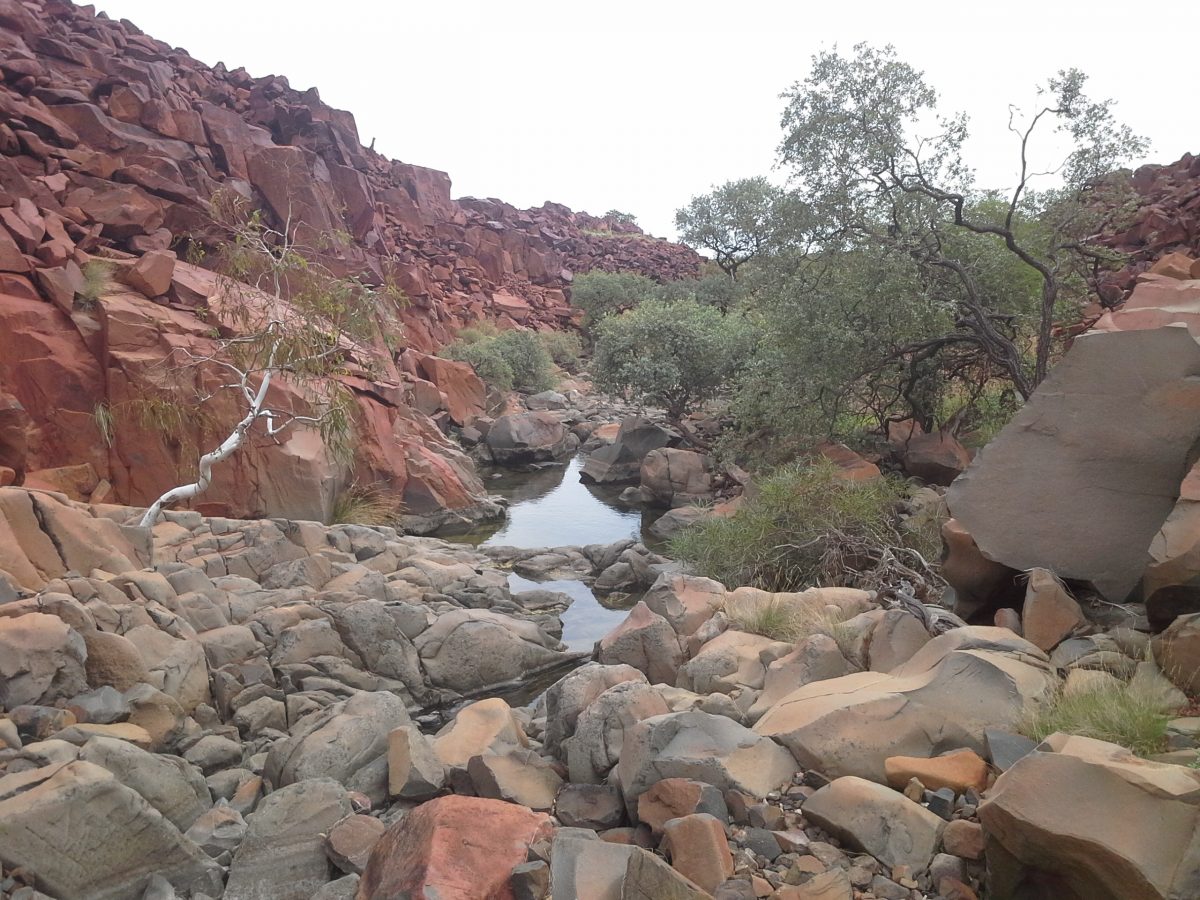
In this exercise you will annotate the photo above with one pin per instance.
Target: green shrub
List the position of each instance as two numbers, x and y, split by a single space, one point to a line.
564 348
672 355
506 360
526 355
717 290
602 294
1111 711
485 359
804 527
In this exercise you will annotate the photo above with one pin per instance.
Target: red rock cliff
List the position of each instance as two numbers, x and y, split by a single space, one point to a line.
113 143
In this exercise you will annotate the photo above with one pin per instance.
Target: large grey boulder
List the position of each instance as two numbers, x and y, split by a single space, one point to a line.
371 631
944 698
674 477
283 854
472 649
41 660
703 747
877 820
347 742
574 692
1082 478
521 438
169 784
621 460
84 834
595 747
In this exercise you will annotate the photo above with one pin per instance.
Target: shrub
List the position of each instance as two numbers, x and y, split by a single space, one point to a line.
1110 711
672 355
602 294
717 290
528 358
486 360
564 348
806 526
371 504
98 280
505 360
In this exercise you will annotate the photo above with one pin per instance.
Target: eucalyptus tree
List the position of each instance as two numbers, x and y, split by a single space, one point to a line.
282 316
734 222
877 163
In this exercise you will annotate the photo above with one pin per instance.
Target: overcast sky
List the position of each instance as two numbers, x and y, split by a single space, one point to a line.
639 105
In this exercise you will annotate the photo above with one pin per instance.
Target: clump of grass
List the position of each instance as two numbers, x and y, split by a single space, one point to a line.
788 618
98 280
103 416
370 504
805 527
1108 711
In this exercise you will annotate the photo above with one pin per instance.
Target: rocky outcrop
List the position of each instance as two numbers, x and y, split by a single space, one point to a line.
1057 471
113 144
1165 221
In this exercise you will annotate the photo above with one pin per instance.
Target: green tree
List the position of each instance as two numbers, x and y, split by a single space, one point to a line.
734 222
882 166
671 355
601 294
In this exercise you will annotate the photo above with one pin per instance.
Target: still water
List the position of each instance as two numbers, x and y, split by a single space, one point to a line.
551 507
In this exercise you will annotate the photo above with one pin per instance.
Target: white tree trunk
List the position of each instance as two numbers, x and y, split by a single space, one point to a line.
208 460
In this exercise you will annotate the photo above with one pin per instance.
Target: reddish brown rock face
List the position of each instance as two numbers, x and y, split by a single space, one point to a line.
452 847
114 143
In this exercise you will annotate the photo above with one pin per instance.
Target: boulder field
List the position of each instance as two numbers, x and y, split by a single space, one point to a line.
283 709
112 147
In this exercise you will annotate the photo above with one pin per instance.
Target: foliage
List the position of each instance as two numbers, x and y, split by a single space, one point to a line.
881 164
805 526
621 218
506 360
564 347
716 290
735 222
672 355
98 280
1110 711
601 294
370 504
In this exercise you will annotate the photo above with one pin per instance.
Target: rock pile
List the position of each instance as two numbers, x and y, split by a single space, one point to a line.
113 144
256 702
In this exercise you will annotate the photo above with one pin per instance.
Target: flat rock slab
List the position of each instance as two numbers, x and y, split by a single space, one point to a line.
1081 479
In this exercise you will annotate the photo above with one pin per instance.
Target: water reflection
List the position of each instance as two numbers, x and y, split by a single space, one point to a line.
589 617
551 507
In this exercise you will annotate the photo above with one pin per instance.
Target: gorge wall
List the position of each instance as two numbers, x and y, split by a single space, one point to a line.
113 144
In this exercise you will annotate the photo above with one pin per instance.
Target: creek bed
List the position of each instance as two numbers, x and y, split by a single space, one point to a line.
550 507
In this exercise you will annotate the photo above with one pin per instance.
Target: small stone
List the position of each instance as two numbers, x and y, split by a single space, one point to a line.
914 790
698 849
530 881
964 839
941 802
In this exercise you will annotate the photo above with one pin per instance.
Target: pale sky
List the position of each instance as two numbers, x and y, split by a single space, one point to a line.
640 105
